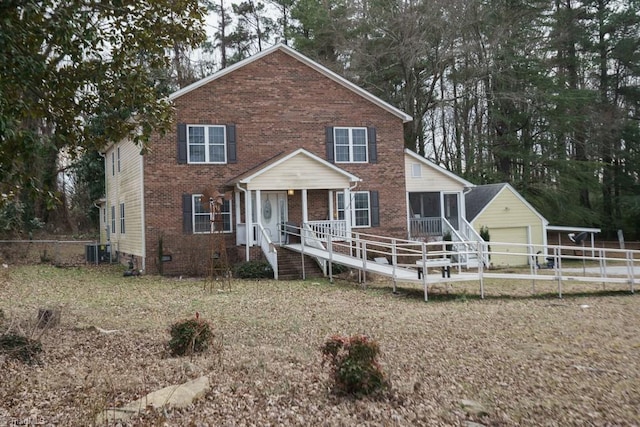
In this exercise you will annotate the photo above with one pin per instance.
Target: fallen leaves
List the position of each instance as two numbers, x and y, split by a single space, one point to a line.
533 361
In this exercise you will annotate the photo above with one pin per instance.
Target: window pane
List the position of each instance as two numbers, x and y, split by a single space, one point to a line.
359 137
342 154
362 218
359 154
198 206
196 135
201 223
216 135
196 153
341 137
361 201
340 205
216 153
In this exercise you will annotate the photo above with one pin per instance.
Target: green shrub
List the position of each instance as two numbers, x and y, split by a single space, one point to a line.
20 347
354 365
190 336
338 268
254 270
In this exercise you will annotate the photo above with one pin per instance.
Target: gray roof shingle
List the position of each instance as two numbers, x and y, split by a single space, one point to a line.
479 196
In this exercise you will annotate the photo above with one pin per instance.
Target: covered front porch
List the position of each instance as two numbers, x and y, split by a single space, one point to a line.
293 190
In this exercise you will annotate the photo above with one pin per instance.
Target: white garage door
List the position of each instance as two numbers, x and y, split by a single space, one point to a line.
507 248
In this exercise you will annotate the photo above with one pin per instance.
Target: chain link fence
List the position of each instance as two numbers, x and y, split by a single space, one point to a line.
63 253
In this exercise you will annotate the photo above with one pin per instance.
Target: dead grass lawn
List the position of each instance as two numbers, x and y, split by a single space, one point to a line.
528 360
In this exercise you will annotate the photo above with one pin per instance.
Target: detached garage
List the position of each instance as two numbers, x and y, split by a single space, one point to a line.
511 221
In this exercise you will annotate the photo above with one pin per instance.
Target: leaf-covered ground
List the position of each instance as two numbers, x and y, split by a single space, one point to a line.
528 360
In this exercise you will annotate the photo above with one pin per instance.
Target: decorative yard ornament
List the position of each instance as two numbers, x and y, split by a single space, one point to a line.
212 201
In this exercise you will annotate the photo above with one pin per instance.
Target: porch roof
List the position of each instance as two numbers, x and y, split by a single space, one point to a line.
296 170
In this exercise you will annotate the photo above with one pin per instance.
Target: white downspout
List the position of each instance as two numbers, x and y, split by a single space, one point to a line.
144 227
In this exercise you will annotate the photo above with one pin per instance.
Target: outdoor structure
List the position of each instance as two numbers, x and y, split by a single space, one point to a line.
435 198
291 141
436 207
512 223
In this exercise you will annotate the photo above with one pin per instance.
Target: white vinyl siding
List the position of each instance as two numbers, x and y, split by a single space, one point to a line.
125 199
428 178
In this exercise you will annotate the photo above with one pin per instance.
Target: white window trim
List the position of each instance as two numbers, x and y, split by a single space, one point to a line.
122 218
352 209
351 129
206 145
194 214
416 170
113 219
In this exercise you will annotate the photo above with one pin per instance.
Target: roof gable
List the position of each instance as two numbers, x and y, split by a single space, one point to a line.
439 169
481 196
296 170
305 60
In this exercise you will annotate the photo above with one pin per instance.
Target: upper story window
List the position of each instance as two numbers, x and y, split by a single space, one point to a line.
118 159
113 163
206 144
350 144
204 222
416 170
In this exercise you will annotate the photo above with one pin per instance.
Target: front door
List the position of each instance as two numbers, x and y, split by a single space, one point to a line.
274 213
451 209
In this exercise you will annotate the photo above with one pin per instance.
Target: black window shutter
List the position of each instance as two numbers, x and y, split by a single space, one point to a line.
375 209
328 138
182 143
373 145
187 226
232 156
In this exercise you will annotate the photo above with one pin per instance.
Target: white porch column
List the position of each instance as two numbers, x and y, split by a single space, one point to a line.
248 224
331 207
347 210
305 210
236 203
258 207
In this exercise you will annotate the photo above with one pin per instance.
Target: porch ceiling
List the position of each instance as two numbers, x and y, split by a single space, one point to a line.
296 170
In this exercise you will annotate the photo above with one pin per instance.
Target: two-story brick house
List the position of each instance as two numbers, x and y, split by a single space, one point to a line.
284 138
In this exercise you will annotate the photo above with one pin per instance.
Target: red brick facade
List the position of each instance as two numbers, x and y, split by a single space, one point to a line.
278 104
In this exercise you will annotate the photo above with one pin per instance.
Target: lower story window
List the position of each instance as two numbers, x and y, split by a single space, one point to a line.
204 221
359 208
113 219
122 218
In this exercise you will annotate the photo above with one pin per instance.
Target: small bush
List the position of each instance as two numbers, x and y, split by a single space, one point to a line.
190 336
254 270
338 268
354 365
20 347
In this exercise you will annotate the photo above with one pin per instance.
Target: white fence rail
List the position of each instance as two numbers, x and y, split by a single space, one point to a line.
397 258
268 249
